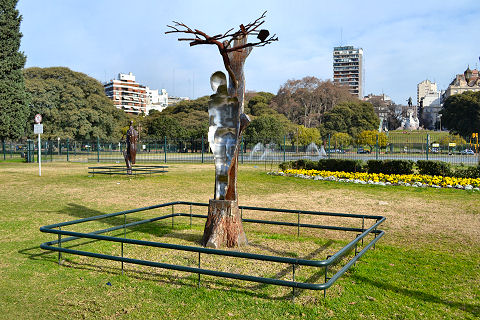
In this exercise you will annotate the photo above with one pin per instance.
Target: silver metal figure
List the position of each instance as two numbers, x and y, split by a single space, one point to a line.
224 126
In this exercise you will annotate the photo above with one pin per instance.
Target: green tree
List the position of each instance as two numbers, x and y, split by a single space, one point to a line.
369 137
340 139
73 105
308 135
258 103
161 125
452 138
266 128
191 115
461 113
350 117
14 109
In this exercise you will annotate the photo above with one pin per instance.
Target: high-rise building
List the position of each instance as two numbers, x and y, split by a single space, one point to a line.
348 68
428 99
424 88
127 94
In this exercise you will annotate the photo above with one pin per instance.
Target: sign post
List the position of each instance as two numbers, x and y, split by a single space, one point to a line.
38 129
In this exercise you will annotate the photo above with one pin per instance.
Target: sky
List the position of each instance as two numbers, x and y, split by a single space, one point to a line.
404 42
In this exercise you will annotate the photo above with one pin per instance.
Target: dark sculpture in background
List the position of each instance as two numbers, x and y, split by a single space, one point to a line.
130 152
226 124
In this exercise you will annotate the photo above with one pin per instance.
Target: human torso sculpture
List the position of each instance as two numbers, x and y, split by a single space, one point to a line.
130 153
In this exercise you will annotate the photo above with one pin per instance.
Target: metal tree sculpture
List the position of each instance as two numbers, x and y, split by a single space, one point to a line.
227 122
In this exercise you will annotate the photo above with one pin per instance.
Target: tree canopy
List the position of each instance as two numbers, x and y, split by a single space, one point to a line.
351 118
14 110
73 105
266 128
258 103
461 113
190 120
369 137
308 135
341 139
305 101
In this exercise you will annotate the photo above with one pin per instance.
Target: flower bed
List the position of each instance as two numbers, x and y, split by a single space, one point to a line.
413 180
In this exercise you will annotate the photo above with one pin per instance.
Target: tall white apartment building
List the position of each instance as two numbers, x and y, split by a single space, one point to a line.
424 88
155 100
348 68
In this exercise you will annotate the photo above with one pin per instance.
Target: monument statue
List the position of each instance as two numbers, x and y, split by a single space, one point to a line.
130 152
226 124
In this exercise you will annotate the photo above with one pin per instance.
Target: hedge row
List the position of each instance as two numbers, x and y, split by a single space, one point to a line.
346 165
433 168
440 168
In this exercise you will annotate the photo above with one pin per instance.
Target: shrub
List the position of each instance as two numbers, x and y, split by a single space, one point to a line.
345 165
434 168
285 165
469 172
390 166
298 164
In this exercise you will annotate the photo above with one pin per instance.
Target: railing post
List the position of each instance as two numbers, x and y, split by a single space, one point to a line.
199 268
165 148
68 147
428 145
202 149
284 146
328 153
75 148
363 227
190 216
59 245
298 224
293 279
98 149
376 148
11 155
3 147
124 234
326 279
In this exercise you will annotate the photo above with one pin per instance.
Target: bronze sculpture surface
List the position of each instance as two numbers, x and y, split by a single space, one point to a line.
130 152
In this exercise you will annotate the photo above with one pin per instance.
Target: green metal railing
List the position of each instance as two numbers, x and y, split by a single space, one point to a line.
362 233
196 150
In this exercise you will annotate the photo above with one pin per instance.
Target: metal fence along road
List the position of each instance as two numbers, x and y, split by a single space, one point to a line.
197 151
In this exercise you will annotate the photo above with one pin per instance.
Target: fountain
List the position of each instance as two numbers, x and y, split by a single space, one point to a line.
258 148
314 153
269 150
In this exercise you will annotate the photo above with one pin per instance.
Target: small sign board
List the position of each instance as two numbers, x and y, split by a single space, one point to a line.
38 128
38 118
435 145
452 144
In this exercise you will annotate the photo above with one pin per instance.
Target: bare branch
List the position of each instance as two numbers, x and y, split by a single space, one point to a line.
225 40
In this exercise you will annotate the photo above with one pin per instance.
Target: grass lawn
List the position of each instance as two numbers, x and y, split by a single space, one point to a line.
427 266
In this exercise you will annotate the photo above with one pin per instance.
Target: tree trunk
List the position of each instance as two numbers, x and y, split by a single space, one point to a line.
224 225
